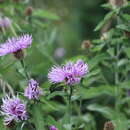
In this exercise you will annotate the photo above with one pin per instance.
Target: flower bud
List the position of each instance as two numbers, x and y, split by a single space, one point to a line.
86 44
109 126
117 3
28 11
127 34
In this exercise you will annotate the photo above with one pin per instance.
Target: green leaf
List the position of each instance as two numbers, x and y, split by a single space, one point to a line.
38 117
51 121
107 6
111 51
119 119
45 14
98 48
2 127
106 111
105 20
56 93
126 17
127 51
122 62
123 27
97 91
97 59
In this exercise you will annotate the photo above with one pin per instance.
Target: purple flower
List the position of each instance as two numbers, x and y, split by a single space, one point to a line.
5 22
128 92
15 44
33 90
70 73
59 52
13 109
57 74
53 128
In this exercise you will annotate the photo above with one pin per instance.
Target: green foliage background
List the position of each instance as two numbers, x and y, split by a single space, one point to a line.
103 94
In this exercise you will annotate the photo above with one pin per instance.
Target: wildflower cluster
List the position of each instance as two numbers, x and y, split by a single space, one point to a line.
13 108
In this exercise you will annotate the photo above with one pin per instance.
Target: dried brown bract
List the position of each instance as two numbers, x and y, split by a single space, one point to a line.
86 44
109 126
28 11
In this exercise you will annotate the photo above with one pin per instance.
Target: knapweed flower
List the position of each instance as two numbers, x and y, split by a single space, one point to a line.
70 73
59 52
5 22
53 128
33 91
13 109
15 44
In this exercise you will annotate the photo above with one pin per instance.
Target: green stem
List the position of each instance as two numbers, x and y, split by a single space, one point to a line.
70 94
48 104
117 89
46 54
3 30
69 104
80 107
25 70
13 31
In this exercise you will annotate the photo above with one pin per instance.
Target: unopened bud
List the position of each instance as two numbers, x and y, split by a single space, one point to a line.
127 34
117 3
28 11
86 44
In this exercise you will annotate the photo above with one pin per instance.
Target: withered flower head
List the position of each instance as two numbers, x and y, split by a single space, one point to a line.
117 3
86 44
109 126
28 11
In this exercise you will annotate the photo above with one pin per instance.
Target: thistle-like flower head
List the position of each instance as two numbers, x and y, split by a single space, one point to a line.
33 91
13 109
70 73
53 128
12 45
